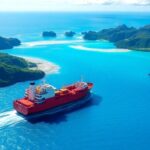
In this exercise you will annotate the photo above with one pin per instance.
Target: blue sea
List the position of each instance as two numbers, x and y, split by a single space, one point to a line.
118 117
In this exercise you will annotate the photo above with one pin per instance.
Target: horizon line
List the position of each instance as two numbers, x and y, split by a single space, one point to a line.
74 11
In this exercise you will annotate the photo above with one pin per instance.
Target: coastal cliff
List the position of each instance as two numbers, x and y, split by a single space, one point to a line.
15 69
69 34
8 43
124 37
49 34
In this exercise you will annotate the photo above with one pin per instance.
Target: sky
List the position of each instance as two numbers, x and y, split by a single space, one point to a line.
75 5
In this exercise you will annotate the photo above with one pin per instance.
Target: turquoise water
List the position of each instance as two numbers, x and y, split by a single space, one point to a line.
118 118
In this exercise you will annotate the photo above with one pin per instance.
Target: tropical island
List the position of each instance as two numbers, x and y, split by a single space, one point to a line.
15 69
8 43
123 37
69 34
49 34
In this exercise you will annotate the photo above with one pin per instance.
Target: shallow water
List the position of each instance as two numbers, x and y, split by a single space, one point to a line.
119 118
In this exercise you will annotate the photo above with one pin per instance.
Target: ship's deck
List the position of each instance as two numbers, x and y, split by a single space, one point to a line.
65 91
26 102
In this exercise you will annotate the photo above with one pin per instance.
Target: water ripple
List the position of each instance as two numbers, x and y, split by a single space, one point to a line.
9 118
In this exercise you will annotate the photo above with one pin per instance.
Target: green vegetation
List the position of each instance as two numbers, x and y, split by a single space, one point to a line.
124 37
14 69
8 43
69 34
49 34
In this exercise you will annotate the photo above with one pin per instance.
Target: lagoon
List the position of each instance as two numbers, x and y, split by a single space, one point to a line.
117 119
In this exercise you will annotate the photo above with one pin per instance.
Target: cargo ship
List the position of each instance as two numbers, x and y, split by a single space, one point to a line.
46 97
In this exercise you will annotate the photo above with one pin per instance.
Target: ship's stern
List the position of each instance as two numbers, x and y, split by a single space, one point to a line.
20 108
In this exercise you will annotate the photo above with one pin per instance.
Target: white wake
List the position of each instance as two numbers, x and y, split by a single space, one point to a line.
80 47
9 118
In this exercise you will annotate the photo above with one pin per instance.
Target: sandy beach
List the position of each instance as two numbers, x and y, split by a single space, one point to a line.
114 50
46 66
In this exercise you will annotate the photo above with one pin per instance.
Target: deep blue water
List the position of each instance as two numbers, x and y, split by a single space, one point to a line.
118 118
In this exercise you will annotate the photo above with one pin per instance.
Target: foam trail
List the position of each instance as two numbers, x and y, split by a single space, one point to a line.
80 47
50 42
9 118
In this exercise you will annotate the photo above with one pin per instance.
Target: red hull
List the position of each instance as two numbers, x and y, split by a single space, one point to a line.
26 107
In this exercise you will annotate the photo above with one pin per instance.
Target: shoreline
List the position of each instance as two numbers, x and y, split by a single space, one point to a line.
43 65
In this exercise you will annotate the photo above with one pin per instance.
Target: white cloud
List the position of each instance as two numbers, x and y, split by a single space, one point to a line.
29 5
69 5
113 2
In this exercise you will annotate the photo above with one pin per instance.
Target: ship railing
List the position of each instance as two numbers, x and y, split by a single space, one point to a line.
39 101
38 95
38 98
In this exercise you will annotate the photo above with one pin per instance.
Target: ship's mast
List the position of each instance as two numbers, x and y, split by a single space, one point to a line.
31 93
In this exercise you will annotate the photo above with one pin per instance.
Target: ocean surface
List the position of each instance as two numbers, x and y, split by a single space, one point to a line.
118 117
